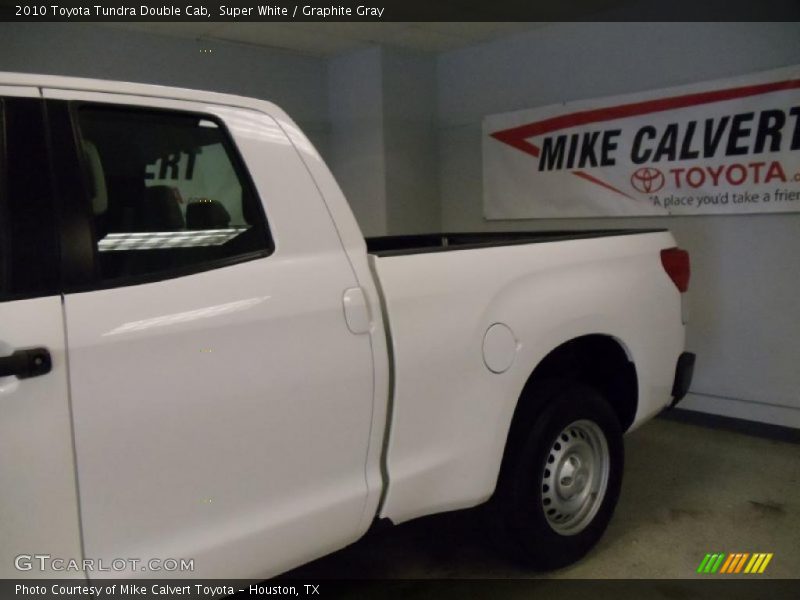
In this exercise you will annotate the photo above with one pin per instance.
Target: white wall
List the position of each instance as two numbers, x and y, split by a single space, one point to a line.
297 83
745 323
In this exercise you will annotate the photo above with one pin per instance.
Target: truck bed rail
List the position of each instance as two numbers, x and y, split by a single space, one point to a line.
395 245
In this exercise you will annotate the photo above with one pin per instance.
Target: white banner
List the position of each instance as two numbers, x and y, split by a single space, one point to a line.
722 147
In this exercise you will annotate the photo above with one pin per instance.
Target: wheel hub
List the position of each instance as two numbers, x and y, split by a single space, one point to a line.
575 477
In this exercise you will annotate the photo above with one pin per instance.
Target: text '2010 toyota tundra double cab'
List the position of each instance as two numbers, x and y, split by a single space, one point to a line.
202 359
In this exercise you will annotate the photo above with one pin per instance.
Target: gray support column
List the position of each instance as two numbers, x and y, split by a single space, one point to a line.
410 136
383 140
356 145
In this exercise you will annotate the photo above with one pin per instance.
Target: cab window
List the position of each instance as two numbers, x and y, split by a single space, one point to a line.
167 193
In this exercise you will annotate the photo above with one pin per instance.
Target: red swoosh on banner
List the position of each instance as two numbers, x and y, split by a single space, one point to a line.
517 137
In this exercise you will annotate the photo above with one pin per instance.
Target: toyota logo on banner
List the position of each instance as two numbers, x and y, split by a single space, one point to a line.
647 180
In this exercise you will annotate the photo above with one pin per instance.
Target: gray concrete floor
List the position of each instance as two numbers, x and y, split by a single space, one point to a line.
687 490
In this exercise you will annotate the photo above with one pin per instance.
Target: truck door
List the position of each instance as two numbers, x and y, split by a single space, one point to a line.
222 408
38 504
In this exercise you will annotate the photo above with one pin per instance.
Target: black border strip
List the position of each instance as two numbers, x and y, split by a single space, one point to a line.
733 587
403 10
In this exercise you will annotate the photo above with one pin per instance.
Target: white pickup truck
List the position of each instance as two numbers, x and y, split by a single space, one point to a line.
206 371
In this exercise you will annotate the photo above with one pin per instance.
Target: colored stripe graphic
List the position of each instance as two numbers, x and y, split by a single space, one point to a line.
741 562
703 563
765 563
718 562
727 564
736 562
754 563
711 563
730 564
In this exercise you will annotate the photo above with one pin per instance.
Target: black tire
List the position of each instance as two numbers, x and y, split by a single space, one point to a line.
517 511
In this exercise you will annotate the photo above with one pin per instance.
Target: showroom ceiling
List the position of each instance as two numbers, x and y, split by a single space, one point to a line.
327 39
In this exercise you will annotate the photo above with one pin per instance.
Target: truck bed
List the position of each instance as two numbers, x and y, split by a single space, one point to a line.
440 308
395 245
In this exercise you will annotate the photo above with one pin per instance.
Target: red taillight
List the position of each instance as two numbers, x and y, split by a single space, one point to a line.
676 264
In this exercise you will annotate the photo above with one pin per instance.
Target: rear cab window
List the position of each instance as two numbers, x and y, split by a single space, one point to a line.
166 193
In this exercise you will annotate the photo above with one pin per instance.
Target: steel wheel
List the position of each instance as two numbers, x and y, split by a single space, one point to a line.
575 477
561 475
